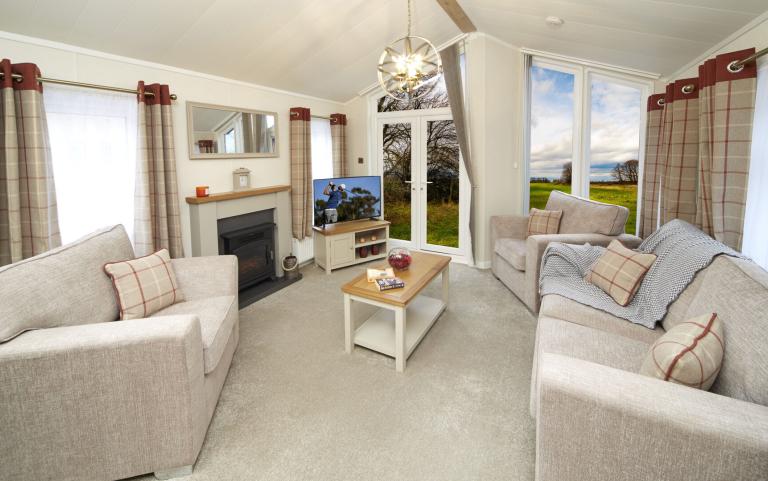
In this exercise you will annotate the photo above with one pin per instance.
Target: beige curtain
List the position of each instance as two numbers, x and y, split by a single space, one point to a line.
698 143
301 172
453 84
681 136
29 222
727 103
157 218
339 145
649 218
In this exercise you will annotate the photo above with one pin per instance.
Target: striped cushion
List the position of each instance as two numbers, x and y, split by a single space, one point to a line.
690 353
619 272
544 221
144 285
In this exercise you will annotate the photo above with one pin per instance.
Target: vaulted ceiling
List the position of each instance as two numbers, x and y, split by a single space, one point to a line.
329 48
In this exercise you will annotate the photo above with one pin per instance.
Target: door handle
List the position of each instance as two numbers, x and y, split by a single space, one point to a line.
429 182
408 181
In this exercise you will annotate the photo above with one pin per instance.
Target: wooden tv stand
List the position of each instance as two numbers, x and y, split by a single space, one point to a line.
338 245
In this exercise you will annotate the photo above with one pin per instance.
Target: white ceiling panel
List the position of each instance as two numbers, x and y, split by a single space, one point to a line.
329 48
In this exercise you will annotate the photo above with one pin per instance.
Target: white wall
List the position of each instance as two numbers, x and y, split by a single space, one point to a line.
495 103
753 35
357 136
72 63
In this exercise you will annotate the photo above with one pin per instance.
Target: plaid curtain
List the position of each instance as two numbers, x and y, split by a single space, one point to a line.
301 172
681 149
727 103
339 143
29 223
697 150
649 218
157 218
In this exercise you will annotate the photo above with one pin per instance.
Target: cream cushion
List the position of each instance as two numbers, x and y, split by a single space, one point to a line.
691 353
65 286
144 285
584 215
619 272
544 221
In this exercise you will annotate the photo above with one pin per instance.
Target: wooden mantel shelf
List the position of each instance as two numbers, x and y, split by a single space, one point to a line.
239 194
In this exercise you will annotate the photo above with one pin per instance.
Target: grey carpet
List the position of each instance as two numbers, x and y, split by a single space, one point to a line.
295 406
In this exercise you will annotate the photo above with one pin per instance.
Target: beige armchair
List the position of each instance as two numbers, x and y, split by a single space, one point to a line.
516 258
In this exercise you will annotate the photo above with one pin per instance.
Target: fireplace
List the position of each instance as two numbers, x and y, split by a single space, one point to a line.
250 237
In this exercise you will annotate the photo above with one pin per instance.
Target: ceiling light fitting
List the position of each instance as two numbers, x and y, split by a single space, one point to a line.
410 66
554 21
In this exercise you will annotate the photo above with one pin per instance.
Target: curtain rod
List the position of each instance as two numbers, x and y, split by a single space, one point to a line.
315 116
736 66
19 78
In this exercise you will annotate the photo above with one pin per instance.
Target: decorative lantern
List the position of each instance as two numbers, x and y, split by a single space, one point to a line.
241 179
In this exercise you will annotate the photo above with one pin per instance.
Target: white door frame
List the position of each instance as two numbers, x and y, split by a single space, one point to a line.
418 120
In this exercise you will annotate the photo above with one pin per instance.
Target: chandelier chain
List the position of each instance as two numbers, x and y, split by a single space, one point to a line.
409 18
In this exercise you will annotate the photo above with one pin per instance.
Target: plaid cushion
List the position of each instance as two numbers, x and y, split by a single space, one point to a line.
544 221
144 285
691 353
619 271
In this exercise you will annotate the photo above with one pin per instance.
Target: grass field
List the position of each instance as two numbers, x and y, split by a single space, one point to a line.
620 194
442 222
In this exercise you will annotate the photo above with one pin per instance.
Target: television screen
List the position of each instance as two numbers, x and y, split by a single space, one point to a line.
346 198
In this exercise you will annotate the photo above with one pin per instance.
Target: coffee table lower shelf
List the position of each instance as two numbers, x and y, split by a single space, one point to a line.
378 331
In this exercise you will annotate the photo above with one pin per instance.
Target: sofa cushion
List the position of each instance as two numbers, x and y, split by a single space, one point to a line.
582 216
145 285
65 286
217 317
691 353
619 271
544 221
559 307
737 290
513 251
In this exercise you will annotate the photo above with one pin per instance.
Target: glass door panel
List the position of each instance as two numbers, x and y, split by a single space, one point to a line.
552 133
614 144
442 184
397 141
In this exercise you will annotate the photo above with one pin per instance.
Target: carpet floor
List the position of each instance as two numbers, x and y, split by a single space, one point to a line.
295 406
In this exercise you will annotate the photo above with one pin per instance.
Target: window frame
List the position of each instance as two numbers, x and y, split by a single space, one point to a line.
582 122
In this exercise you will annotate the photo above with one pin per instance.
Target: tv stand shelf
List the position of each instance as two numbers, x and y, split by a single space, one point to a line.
338 245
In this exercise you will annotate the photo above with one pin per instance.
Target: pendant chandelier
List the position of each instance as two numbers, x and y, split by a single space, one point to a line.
410 66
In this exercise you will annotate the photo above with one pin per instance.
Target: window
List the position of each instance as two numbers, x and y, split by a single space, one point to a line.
229 141
322 151
93 146
585 134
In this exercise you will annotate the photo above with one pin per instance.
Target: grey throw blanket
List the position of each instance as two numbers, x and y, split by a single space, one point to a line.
682 251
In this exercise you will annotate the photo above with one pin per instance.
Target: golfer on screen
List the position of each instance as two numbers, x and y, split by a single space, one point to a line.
334 199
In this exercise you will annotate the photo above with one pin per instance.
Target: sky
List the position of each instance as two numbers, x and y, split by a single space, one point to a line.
615 124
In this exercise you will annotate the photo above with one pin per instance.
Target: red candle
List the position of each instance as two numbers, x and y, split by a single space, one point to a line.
201 191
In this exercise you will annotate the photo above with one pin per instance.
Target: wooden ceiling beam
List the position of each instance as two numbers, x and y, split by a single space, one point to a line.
458 15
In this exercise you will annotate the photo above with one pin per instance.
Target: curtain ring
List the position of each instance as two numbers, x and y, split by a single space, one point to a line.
687 89
735 67
660 102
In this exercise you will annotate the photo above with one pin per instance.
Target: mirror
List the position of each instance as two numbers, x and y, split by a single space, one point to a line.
226 132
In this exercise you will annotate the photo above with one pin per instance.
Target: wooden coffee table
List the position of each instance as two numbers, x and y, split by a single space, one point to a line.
404 316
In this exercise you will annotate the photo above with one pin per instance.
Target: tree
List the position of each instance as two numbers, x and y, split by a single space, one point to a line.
567 174
626 172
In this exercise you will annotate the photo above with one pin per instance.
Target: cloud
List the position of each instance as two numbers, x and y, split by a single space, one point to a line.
614 116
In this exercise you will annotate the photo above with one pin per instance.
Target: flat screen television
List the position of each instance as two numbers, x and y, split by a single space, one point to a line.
342 199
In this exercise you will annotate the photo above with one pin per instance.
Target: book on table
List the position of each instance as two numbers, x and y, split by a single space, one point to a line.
392 283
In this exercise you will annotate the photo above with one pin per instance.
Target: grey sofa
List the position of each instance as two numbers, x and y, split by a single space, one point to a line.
517 258
598 419
96 398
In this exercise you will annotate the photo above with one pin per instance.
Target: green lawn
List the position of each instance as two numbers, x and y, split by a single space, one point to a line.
620 194
442 222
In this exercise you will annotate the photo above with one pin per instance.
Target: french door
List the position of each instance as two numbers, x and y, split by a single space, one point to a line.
422 175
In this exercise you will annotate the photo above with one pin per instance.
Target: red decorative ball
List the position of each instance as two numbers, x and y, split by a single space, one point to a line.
399 258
